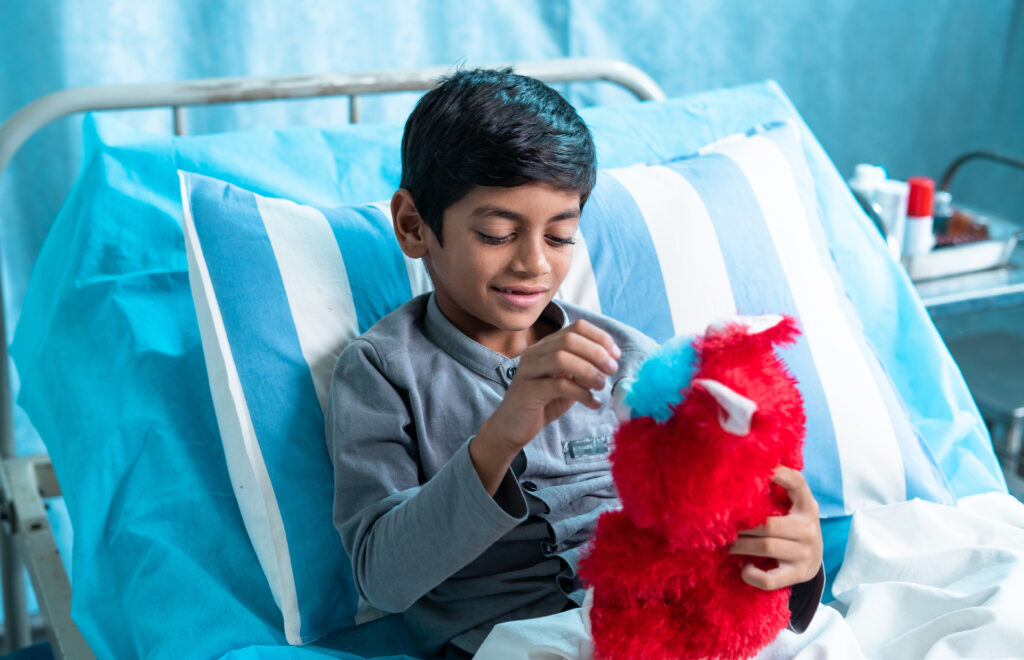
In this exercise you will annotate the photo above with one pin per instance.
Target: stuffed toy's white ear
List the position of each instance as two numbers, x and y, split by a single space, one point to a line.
735 410
753 324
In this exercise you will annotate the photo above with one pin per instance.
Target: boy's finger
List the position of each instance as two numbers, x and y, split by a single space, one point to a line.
776 578
772 526
794 528
796 487
564 364
787 477
582 346
768 546
563 388
594 352
596 335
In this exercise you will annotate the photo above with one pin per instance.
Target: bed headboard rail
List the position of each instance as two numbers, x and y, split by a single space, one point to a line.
179 95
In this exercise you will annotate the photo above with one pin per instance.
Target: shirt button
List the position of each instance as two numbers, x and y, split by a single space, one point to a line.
511 372
547 548
566 584
529 486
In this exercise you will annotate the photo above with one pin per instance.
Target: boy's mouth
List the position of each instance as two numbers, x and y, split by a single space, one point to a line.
521 296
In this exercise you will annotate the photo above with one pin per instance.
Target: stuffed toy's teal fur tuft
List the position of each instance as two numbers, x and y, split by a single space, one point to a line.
657 385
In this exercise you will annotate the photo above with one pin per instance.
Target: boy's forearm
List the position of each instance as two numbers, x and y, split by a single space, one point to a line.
491 457
403 550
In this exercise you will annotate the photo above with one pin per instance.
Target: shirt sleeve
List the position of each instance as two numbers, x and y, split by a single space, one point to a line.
803 601
404 537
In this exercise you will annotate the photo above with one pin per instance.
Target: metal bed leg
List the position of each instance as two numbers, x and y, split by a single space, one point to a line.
16 624
28 479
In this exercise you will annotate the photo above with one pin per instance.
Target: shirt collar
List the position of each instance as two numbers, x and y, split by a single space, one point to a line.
474 355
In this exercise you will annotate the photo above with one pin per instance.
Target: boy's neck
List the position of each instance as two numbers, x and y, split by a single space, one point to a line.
512 344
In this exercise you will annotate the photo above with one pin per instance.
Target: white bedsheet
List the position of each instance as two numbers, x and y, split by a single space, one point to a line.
919 580
927 581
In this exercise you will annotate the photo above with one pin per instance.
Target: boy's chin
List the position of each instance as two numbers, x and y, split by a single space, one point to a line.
519 322
516 320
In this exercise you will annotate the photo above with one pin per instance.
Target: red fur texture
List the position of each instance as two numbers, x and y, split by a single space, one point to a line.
664 583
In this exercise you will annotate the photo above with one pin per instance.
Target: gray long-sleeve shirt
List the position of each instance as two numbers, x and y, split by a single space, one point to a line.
423 534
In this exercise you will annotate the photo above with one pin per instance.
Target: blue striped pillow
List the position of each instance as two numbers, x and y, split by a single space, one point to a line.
280 289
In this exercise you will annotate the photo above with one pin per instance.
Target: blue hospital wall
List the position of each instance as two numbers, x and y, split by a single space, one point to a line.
907 84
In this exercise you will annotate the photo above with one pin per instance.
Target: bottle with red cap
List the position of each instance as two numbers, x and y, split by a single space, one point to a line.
919 237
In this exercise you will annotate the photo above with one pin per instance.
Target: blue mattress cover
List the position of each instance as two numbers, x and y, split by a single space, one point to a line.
113 376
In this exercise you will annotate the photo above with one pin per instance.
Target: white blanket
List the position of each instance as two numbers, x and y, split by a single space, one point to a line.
919 580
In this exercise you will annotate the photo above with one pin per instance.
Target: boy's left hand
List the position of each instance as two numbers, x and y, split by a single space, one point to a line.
793 539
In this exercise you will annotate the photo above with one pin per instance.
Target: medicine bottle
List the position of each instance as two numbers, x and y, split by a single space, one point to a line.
919 237
865 180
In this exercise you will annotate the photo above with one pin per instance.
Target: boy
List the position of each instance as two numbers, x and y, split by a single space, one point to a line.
461 493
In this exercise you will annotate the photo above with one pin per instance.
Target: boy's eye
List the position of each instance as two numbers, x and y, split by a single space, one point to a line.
562 241
500 240
494 240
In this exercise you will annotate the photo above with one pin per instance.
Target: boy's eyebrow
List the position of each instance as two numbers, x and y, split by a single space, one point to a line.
490 210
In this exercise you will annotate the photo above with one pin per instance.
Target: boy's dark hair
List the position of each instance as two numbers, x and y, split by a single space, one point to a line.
492 127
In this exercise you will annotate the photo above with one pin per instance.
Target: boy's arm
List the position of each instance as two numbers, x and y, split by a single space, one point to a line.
404 538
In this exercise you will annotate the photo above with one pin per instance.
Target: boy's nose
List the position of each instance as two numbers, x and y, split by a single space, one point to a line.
531 258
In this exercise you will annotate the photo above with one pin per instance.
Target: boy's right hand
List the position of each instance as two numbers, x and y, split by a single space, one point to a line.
553 374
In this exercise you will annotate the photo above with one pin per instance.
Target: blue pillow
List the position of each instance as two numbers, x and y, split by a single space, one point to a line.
281 288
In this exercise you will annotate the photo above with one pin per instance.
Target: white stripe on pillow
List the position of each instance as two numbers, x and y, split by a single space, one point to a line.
316 283
873 471
660 193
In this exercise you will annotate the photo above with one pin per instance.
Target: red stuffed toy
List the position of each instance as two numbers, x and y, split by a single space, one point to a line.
663 582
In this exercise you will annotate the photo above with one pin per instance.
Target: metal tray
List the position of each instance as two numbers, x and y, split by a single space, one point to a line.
958 259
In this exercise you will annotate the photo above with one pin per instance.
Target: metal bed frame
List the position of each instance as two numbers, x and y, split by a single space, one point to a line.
26 538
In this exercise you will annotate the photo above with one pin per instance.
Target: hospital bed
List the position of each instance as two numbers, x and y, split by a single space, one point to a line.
114 377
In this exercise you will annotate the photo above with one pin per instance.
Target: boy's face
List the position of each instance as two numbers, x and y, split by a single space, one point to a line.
506 252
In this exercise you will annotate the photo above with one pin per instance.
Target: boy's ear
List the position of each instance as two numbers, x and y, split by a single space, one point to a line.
410 230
